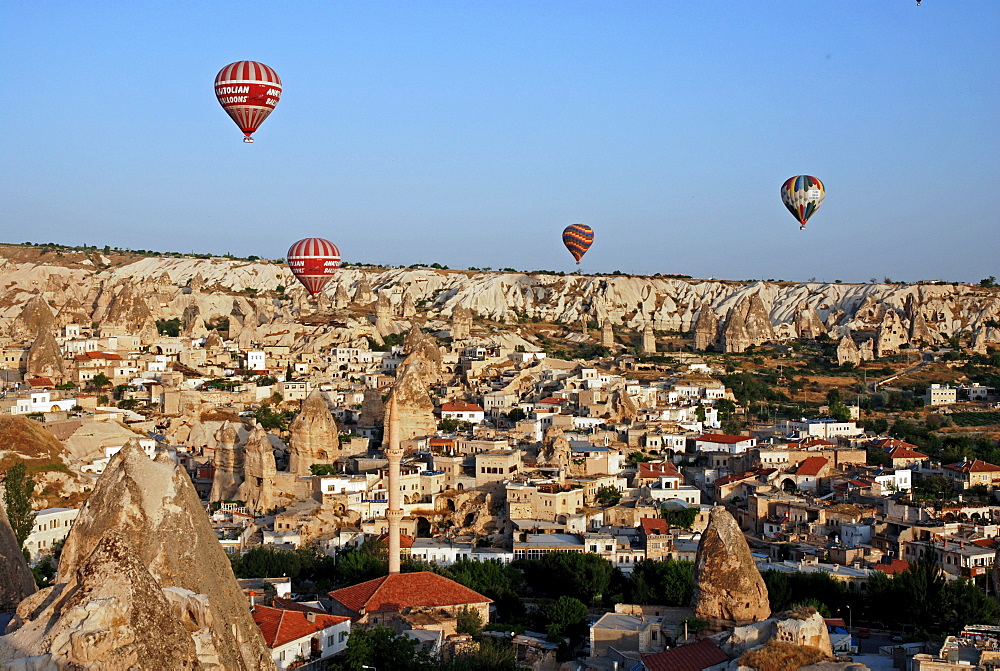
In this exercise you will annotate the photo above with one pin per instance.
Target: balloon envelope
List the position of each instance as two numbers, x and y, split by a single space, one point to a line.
802 196
248 91
578 238
313 261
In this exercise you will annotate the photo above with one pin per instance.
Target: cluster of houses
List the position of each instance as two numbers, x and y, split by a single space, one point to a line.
573 458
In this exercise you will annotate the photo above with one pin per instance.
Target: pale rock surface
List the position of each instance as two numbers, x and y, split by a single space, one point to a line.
706 328
315 435
729 590
807 322
109 613
45 358
17 583
155 506
363 292
748 324
891 334
259 472
372 408
34 318
796 627
848 352
228 461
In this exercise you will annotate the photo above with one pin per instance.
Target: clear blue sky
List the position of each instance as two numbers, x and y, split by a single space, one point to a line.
470 133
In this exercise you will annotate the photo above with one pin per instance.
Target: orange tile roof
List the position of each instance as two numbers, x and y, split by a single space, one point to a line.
887 444
458 406
722 438
812 466
405 541
40 381
688 657
975 466
658 469
284 626
654 525
403 590
893 567
904 452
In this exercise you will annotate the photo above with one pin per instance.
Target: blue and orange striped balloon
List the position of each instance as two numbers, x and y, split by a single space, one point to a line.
578 238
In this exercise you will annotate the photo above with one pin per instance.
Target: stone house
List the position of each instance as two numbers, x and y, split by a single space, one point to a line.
297 635
393 600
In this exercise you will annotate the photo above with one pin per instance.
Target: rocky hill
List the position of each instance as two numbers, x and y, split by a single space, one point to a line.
135 290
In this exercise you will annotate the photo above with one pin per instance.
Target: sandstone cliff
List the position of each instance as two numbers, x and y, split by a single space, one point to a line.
16 581
315 435
154 505
728 590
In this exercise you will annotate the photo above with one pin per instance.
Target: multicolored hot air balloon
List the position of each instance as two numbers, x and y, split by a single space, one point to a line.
802 196
313 261
248 91
578 238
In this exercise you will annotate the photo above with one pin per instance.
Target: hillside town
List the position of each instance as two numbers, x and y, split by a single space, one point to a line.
379 422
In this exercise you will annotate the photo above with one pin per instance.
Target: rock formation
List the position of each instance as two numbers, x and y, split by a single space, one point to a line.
798 627
170 546
461 323
45 358
748 324
363 292
17 583
409 308
34 318
228 462
129 309
891 334
607 334
110 613
372 409
420 369
807 323
315 435
848 352
648 339
728 590
340 298
706 328
259 472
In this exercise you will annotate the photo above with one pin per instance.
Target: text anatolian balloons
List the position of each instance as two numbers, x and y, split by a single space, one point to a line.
248 91
313 261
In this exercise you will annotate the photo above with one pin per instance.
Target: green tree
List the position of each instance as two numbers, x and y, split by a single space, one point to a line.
168 327
468 621
582 575
100 381
608 495
683 517
565 616
516 415
381 648
367 562
18 488
666 582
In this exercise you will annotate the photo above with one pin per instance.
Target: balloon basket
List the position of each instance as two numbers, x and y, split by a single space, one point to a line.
802 228
248 139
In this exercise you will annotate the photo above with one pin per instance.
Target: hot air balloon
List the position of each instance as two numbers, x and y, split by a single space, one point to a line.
313 261
248 91
578 238
802 196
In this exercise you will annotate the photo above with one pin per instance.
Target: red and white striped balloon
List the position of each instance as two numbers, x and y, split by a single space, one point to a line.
248 91
313 261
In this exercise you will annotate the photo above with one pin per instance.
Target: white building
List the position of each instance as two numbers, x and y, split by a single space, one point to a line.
41 401
940 394
819 428
51 526
295 636
720 442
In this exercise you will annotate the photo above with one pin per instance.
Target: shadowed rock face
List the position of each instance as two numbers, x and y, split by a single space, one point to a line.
315 435
728 590
154 505
16 581
111 614
259 472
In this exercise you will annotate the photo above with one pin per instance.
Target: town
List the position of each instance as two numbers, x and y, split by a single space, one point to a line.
448 465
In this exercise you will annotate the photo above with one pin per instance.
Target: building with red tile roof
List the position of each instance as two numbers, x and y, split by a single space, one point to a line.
703 655
386 600
813 466
720 442
967 474
296 633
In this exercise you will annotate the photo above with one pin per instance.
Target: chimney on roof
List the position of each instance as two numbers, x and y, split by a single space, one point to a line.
311 616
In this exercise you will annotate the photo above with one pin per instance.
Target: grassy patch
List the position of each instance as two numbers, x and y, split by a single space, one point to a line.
777 656
975 418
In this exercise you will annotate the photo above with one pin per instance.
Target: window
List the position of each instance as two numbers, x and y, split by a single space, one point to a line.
343 636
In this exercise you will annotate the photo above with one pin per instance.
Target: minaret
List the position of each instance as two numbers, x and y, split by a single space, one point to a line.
394 514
